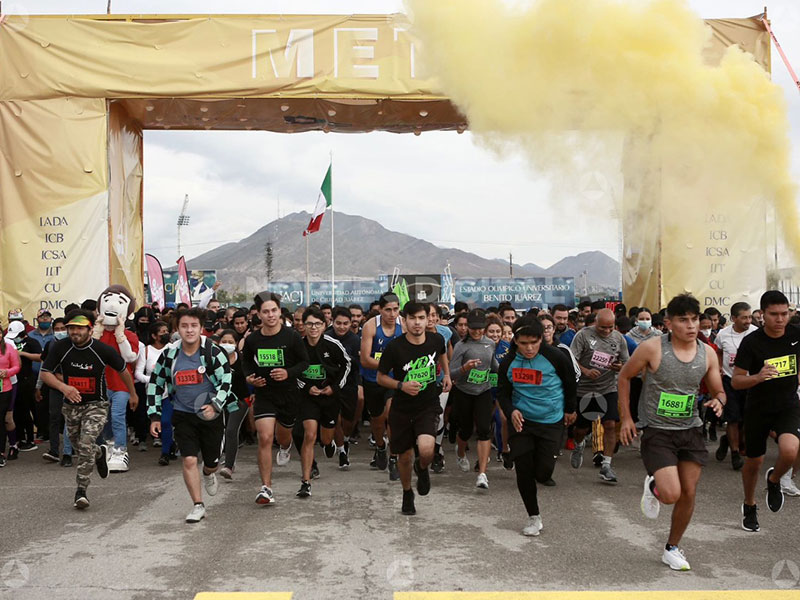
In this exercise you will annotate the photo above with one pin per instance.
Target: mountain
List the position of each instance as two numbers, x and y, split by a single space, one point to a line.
364 249
601 269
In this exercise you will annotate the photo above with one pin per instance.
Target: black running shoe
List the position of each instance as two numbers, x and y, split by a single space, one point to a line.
381 459
163 460
737 462
13 453
101 462
50 456
314 470
66 460
597 459
330 450
394 473
2 461
305 490
437 466
774 493
344 459
508 463
373 464
423 479
81 501
550 482
722 451
408 503
750 518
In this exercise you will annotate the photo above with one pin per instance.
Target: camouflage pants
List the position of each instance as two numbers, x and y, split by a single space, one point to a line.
84 423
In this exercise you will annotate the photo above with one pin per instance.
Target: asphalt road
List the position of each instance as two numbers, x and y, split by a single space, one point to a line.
349 539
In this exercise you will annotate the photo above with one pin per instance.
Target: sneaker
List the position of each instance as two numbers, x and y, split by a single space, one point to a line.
344 459
722 451
750 518
265 496
143 446
712 433
284 456
482 482
394 473
197 513
314 470
163 460
226 473
50 456
597 459
2 461
463 462
211 484
737 462
81 501
508 463
774 493
423 478
550 483
157 443
787 485
607 474
534 526
373 464
675 559
371 442
576 457
25 446
66 460
101 461
330 449
437 466
119 462
408 503
499 456
305 490
381 459
649 504
13 453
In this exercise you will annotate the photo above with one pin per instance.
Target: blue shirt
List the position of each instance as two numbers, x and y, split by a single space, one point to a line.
631 344
540 403
566 337
43 340
190 397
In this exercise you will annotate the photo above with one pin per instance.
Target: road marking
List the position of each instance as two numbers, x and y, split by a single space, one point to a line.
244 596
641 595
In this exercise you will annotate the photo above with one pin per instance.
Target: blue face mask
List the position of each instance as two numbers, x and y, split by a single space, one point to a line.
60 335
45 326
644 325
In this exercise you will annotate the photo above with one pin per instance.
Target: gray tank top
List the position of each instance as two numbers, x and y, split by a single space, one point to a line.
669 396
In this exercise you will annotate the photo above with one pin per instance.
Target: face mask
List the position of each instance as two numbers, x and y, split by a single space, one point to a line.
45 326
60 335
706 332
164 339
644 325
229 348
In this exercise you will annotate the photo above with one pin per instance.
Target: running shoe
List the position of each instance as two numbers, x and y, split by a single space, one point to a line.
2 461
675 559
81 501
163 460
211 484
197 513
13 453
774 493
423 478
508 462
737 462
157 443
408 503
437 466
381 459
330 449
394 473
344 458
371 442
649 504
265 496
722 451
482 482
787 485
373 464
101 461
750 518
463 463
25 446
50 456
576 457
226 473
118 462
66 460
284 456
305 490
549 483
607 474
597 459
314 470
534 526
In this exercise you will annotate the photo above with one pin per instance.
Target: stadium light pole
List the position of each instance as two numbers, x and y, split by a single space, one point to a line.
183 221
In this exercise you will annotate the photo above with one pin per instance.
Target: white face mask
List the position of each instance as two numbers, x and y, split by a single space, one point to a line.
706 332
229 348
644 325
60 335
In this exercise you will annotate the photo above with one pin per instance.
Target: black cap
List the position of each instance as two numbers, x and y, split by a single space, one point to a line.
476 319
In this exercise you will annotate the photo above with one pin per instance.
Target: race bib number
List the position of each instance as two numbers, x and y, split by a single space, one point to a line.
315 372
476 376
493 379
529 376
424 376
378 356
601 360
84 385
785 365
270 357
731 360
188 378
675 406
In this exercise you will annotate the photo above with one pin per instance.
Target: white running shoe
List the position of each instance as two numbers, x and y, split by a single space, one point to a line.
675 559
226 473
463 462
284 456
265 496
650 504
198 512
534 526
211 483
787 485
118 462
482 482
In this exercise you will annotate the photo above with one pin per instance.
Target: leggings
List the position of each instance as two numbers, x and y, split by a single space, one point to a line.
473 410
166 426
23 408
12 435
535 451
5 403
57 424
233 424
138 418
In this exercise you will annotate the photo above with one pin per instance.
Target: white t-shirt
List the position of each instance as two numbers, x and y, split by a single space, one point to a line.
148 355
728 342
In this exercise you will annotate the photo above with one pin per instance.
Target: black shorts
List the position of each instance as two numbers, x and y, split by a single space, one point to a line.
322 409
196 436
759 422
406 427
348 401
543 440
734 402
593 405
281 406
375 398
666 447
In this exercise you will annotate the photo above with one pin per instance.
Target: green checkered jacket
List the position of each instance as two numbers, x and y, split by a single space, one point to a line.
219 374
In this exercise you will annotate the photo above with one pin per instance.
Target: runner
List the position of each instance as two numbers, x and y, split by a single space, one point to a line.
375 337
766 366
9 367
158 334
320 385
195 373
82 362
600 351
728 341
536 390
673 449
274 356
237 408
348 395
433 326
494 331
414 413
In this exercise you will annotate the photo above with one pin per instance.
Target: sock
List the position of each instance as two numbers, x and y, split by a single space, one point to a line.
339 449
199 504
670 547
606 460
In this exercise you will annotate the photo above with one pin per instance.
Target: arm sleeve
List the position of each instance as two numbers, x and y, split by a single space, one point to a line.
155 388
456 360
110 356
139 375
299 348
504 386
14 364
566 372
129 348
222 371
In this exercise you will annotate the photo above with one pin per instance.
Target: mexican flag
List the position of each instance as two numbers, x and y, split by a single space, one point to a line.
323 202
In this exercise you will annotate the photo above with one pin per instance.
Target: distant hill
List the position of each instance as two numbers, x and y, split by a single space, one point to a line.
364 249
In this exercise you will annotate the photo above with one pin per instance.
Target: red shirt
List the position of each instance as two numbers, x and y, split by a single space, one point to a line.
113 380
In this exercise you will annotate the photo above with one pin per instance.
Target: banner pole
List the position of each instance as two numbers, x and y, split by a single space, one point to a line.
307 302
333 264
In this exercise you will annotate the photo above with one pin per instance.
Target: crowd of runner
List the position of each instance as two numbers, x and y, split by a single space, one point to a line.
197 383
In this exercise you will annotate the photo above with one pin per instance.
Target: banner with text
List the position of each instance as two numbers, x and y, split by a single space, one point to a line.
292 293
521 292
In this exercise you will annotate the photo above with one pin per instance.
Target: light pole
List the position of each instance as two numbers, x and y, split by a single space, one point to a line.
183 221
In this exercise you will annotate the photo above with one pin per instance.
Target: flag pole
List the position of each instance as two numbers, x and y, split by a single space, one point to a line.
333 270
308 285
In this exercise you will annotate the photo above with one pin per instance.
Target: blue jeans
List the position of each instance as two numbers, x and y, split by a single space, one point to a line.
166 425
116 426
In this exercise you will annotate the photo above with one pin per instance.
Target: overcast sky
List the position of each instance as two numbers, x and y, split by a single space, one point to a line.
438 186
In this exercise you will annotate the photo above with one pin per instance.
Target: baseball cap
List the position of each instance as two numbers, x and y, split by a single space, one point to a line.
80 319
476 319
43 311
15 315
15 328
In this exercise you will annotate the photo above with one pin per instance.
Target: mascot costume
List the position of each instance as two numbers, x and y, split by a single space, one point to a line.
115 306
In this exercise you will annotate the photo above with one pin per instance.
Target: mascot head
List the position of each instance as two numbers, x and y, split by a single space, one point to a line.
115 301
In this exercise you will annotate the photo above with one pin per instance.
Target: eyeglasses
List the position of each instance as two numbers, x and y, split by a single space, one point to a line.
314 325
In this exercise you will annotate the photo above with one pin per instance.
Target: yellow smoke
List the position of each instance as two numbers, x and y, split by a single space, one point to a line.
571 82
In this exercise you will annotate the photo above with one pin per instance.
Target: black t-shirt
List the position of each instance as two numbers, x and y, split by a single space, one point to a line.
31 346
238 384
784 353
409 362
352 344
83 368
284 350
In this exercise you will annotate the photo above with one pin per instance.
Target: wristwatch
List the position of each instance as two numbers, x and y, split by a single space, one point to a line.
400 385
